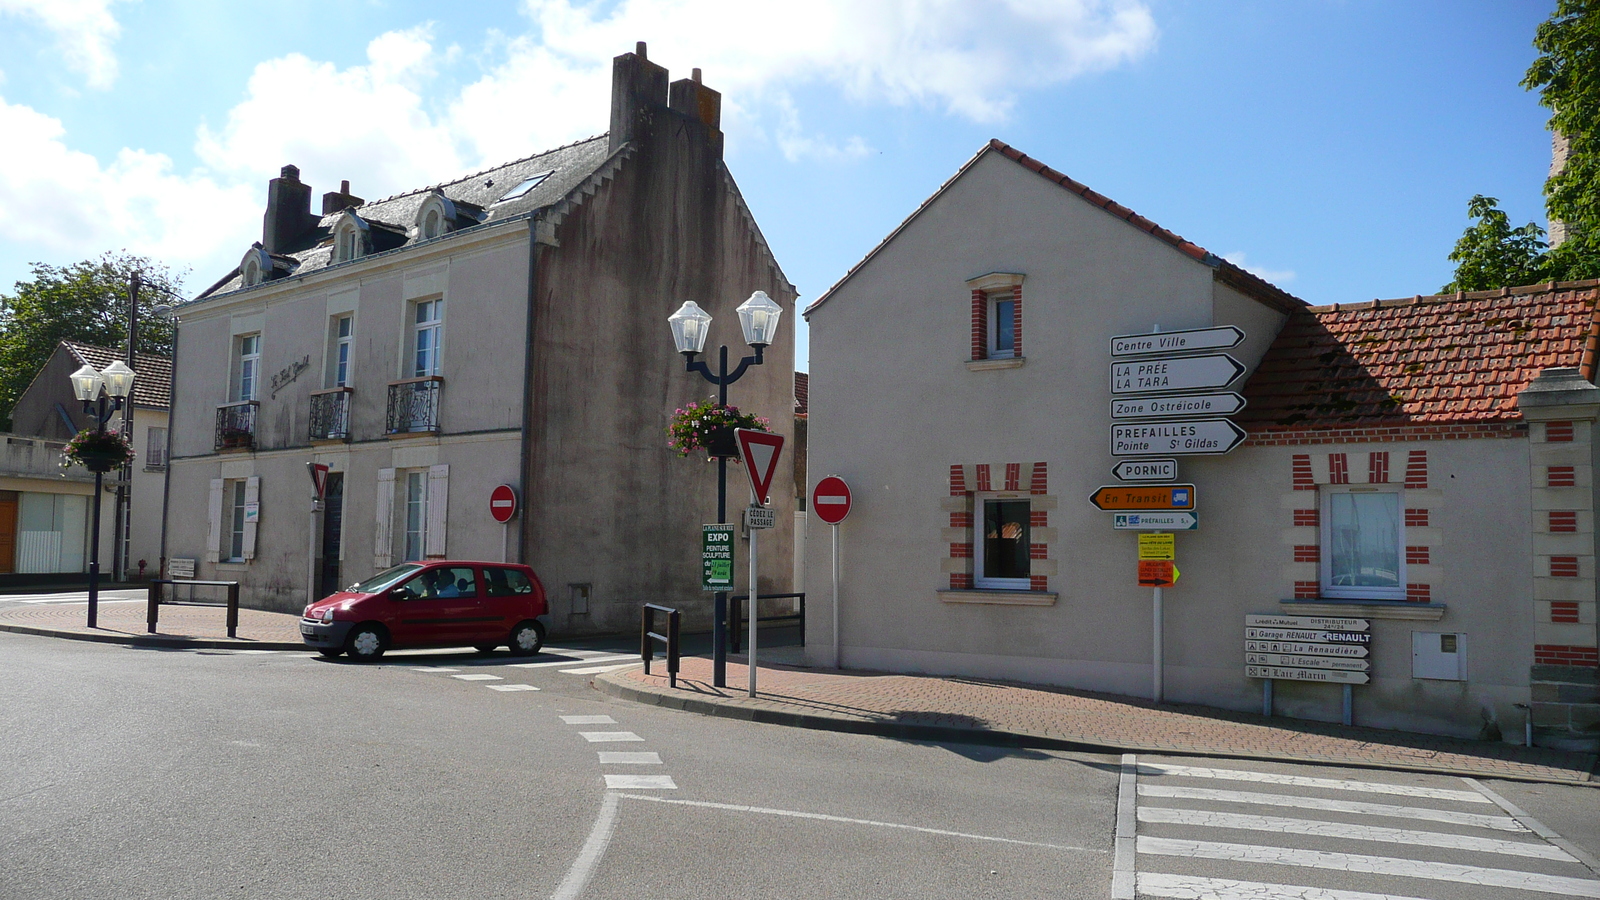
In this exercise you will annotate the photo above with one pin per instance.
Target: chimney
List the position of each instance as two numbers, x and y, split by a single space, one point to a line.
701 104
342 199
288 215
638 89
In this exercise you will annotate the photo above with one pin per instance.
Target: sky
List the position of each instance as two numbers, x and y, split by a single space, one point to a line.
1329 146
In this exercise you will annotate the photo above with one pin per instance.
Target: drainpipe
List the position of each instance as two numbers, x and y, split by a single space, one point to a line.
166 475
524 476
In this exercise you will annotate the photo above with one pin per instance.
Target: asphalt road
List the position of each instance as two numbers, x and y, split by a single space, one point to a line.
134 773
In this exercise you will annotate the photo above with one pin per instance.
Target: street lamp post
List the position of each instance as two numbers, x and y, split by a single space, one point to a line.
102 393
758 317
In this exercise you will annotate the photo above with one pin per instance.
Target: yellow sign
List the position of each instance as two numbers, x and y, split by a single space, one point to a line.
1157 546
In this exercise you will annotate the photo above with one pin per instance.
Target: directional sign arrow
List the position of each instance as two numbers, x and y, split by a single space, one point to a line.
1292 674
1155 521
1193 437
1138 498
1223 338
1219 404
1183 373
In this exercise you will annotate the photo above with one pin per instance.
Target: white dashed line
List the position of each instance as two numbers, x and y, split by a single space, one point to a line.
588 720
640 782
1187 887
601 737
1332 784
571 662
596 670
511 687
619 758
1378 865
1499 823
434 669
1207 819
478 676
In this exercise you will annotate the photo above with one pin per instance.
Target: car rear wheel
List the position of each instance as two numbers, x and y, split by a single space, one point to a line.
367 643
527 638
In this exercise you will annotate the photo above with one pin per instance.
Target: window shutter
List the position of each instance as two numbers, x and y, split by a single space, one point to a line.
438 501
252 494
214 521
383 537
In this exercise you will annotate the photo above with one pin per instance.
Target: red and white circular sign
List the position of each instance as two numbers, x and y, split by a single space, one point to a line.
503 503
831 499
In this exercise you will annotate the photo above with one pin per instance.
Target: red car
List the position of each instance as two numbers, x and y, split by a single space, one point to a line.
433 604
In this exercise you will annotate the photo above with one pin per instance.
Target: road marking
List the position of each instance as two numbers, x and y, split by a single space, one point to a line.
434 669
1537 827
1208 819
478 676
820 817
569 662
594 847
596 670
641 782
1122 868
1332 784
1377 865
619 758
253 652
82 602
588 720
1499 823
1188 887
578 653
600 737
511 687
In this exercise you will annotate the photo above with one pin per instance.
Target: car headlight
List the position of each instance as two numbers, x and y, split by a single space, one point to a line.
327 614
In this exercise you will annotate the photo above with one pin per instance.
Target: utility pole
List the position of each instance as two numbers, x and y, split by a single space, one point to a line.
122 546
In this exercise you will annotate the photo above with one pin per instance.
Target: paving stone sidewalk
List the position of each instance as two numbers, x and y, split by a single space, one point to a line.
968 709
121 620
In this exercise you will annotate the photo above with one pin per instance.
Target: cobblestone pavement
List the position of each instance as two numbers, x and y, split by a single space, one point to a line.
122 620
922 707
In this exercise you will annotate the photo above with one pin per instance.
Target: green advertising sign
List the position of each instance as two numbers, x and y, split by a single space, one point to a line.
716 557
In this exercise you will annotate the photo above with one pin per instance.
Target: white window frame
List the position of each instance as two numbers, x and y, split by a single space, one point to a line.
979 580
233 533
1325 532
431 328
344 330
155 450
995 299
249 367
415 511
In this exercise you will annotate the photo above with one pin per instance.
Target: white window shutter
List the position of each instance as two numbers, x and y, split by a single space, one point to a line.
438 502
383 536
252 494
214 521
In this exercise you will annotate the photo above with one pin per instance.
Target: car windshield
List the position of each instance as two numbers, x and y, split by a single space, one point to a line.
385 579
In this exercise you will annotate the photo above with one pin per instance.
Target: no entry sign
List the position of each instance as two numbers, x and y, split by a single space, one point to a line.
503 503
831 499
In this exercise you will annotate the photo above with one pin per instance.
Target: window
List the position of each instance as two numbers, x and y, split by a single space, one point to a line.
416 515
506 582
526 186
155 452
427 338
234 520
1002 326
1002 546
440 584
343 332
249 367
349 237
1363 544
996 331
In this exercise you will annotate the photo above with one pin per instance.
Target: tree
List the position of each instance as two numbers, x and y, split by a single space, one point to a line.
87 302
1492 254
1567 76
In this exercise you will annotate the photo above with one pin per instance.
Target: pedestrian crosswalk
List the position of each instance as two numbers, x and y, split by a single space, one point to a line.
1212 833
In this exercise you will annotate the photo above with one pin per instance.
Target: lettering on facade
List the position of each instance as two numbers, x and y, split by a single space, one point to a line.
285 376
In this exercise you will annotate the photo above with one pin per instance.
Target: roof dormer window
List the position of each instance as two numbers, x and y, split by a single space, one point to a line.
350 237
435 216
526 186
255 268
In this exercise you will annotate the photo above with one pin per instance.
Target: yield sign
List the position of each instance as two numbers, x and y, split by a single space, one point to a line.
319 478
760 451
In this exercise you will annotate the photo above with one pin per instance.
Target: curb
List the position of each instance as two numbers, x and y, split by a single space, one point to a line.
613 686
133 640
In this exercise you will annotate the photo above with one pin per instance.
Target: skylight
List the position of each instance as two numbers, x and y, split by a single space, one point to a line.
525 187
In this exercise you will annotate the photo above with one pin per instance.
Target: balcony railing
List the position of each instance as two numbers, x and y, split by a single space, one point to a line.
413 405
330 414
236 425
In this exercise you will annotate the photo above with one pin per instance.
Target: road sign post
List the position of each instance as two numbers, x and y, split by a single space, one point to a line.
1329 649
503 503
831 501
760 451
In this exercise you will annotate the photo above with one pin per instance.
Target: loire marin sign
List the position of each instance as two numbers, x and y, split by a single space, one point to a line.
1307 648
1199 437
1183 373
1137 497
1223 338
1216 404
716 557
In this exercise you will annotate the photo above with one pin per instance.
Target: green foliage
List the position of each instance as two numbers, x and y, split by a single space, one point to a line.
693 425
87 302
1492 254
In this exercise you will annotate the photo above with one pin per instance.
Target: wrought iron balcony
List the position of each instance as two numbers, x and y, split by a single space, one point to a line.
413 405
330 414
236 425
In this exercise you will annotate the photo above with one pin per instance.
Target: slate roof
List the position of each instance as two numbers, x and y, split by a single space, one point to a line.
152 383
1456 358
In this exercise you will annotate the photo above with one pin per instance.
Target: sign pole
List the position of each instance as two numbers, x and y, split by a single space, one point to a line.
751 607
835 596
505 541
1156 673
1266 697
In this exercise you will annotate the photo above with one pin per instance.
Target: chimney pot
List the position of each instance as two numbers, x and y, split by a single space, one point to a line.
639 49
289 172
695 74
344 187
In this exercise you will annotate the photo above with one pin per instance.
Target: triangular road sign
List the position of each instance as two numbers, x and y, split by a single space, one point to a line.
760 451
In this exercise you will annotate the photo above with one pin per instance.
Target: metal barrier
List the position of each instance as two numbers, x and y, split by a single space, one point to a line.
648 637
154 601
736 617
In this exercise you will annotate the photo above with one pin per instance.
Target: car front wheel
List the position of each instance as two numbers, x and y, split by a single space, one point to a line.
527 638
366 644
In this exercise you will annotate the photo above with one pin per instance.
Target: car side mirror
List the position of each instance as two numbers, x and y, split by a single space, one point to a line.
402 594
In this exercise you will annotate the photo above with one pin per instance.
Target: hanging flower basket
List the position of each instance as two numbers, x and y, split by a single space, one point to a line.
706 427
97 451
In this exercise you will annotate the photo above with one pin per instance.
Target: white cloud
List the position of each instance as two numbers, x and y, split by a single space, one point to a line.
1276 276
84 32
797 145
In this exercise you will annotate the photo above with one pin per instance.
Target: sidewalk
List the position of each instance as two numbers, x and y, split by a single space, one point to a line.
970 710
121 620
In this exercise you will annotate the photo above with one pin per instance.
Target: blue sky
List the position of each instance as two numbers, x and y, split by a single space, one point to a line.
1329 145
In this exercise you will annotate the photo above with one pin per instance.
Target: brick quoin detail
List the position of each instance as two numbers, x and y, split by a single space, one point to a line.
1419 593
1378 467
1416 556
960 581
1039 518
1565 655
1417 470
1016 321
1563 567
1041 481
1338 468
980 325
1038 582
961 520
1561 476
1303 480
1037 551
1307 590
1306 517
1558 432
1563 522
1564 612
1307 553
1416 518
1013 476
958 481
961 551
1390 434
983 478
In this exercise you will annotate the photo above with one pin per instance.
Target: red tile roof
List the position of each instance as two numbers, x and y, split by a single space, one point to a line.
802 393
1449 358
